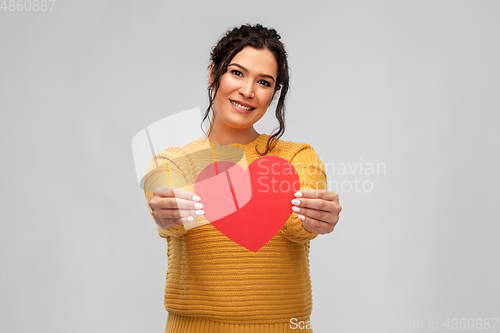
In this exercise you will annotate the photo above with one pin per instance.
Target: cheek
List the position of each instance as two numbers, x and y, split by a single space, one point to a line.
266 97
226 83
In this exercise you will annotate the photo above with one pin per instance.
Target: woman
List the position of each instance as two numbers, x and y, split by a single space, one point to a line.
213 283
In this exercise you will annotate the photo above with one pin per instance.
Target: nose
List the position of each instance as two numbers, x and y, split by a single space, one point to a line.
247 90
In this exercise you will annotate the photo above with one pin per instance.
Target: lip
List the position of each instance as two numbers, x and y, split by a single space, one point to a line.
241 103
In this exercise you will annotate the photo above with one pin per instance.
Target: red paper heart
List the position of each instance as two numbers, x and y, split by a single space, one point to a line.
251 206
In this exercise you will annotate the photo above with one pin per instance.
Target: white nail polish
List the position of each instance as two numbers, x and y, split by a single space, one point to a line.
196 198
200 212
198 205
190 219
301 217
296 209
295 202
298 194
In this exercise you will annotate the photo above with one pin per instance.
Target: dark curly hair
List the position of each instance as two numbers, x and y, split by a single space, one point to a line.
258 37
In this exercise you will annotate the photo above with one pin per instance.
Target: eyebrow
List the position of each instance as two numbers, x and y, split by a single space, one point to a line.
246 70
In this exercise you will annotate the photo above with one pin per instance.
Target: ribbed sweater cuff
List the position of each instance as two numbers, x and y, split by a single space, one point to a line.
185 324
176 231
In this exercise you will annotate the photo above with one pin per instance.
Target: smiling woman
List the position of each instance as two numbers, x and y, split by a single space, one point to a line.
215 283
249 65
245 92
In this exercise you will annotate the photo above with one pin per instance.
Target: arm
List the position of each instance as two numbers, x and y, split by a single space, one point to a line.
312 176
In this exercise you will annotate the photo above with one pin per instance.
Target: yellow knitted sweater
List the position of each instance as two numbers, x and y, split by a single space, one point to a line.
215 285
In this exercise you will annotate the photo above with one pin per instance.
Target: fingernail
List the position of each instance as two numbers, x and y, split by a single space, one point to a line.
295 202
301 217
196 198
198 205
200 212
296 209
298 194
190 219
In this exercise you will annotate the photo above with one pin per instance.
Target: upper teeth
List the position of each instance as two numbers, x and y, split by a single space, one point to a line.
241 106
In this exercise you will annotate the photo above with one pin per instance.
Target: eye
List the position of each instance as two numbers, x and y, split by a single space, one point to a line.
264 82
237 73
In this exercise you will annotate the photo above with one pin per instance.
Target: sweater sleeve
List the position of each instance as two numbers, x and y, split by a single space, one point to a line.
163 171
312 176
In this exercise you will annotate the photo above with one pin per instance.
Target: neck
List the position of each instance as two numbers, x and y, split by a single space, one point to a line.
234 136
224 135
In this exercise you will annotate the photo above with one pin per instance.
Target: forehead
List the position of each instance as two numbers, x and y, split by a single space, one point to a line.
259 61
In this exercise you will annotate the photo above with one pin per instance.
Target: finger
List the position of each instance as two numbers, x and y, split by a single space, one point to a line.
176 213
164 191
184 207
177 208
167 223
187 219
174 208
183 221
316 203
316 226
181 203
319 215
168 192
186 195
321 194
176 221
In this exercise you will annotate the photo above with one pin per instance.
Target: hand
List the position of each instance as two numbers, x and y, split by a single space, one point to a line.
173 206
318 209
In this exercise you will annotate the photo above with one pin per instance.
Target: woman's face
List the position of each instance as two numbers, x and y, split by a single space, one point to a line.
246 89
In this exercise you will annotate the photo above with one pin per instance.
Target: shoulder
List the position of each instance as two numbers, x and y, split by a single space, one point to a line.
304 159
173 153
179 163
180 158
293 151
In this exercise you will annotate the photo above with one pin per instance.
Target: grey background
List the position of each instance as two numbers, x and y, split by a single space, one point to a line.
411 84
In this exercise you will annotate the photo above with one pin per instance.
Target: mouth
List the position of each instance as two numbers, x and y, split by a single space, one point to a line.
245 107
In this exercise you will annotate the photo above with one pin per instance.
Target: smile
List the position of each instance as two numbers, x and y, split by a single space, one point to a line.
247 108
